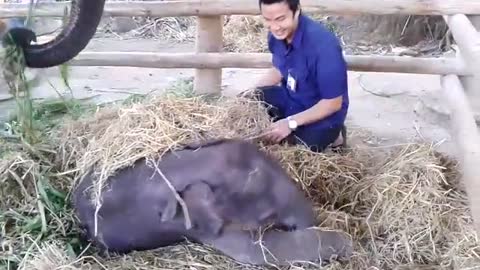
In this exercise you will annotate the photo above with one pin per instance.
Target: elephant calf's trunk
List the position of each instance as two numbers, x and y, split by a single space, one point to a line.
13 32
283 247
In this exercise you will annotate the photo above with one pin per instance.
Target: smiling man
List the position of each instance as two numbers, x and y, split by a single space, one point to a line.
307 87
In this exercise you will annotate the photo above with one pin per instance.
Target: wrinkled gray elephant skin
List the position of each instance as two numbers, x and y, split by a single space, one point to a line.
140 212
277 247
81 27
249 186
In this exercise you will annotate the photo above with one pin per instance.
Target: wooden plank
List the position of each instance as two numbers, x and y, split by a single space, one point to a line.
209 39
231 7
467 137
405 64
402 64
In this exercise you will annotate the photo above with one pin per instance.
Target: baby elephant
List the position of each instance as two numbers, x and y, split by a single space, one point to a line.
241 184
224 185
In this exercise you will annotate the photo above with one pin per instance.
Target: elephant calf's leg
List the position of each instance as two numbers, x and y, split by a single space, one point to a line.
282 247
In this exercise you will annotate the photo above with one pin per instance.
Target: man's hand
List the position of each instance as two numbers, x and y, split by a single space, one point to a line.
277 131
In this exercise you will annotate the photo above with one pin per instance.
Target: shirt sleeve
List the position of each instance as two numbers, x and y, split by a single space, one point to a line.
331 70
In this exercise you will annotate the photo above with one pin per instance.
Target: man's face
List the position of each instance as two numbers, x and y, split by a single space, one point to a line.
279 20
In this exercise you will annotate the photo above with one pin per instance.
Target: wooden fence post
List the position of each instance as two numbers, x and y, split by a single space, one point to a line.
467 38
209 39
469 83
467 137
463 101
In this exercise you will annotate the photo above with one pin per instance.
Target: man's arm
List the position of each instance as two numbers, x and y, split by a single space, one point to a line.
272 77
331 74
321 110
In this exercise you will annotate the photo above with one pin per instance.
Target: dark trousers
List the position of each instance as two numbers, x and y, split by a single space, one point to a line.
315 138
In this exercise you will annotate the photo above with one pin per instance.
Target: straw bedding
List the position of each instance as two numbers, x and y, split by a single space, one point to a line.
403 205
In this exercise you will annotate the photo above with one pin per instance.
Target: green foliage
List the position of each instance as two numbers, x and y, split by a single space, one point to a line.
181 88
14 74
51 218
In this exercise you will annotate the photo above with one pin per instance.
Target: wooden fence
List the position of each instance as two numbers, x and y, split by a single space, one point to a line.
460 76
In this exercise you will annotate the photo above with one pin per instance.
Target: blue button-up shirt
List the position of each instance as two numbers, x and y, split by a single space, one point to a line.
317 69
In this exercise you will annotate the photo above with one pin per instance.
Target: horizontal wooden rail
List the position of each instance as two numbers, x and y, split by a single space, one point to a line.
250 7
401 64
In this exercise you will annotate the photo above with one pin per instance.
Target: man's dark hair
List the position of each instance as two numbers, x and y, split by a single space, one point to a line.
292 4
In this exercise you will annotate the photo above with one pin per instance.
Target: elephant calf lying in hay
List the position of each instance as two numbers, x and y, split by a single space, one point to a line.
402 204
222 186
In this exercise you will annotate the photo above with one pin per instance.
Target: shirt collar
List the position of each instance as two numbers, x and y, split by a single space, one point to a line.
297 36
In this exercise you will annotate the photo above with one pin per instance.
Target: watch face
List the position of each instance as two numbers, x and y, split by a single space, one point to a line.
292 124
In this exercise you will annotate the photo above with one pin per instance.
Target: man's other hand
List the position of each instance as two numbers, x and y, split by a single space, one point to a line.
278 131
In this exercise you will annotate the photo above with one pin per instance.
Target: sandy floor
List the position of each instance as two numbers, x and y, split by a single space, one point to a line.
399 118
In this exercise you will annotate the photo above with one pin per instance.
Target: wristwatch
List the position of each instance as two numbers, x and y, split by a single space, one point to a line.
292 124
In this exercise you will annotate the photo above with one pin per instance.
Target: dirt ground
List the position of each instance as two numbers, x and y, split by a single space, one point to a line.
403 117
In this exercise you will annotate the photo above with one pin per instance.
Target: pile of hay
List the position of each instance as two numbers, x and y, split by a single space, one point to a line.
117 137
402 205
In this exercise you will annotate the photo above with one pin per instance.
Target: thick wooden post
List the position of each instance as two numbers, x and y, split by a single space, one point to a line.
464 99
471 84
467 138
467 38
209 39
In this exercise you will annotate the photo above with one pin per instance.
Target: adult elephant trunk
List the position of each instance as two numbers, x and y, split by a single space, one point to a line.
82 25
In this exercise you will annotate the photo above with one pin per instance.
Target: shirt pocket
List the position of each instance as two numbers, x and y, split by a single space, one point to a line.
304 80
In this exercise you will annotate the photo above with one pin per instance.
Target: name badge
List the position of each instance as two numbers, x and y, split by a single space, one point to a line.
291 83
